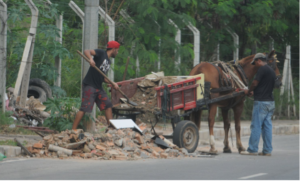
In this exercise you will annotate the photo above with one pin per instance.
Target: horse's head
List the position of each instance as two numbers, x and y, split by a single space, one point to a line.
272 62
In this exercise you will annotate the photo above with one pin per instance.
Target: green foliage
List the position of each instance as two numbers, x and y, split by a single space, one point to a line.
58 92
63 112
5 118
254 21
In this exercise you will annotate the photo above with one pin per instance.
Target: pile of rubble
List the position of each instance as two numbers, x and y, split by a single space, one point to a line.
32 114
121 144
146 95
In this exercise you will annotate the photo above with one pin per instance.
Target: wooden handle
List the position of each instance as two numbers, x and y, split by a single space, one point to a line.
100 72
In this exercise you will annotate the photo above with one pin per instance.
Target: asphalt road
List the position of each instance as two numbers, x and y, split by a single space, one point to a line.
282 165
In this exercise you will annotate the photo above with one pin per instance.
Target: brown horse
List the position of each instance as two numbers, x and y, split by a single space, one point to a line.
237 103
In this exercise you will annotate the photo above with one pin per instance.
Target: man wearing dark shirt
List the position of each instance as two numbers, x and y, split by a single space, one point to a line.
92 91
263 108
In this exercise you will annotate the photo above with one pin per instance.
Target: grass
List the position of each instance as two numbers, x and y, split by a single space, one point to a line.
11 143
4 129
5 118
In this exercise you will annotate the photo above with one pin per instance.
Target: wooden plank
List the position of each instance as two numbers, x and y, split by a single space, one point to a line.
202 102
23 147
23 65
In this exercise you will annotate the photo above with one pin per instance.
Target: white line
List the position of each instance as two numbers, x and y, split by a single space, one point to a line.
12 161
255 175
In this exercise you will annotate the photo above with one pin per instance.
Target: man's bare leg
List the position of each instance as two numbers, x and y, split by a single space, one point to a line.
78 118
108 115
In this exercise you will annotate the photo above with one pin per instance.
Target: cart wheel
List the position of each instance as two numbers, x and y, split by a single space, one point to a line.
186 135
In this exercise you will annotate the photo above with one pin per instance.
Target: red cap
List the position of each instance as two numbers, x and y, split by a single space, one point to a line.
113 44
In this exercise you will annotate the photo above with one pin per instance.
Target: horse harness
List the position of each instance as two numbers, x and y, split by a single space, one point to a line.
228 83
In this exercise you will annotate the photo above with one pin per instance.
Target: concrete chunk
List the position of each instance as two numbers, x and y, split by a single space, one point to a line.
10 151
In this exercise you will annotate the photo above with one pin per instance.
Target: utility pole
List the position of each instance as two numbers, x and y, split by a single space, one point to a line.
3 38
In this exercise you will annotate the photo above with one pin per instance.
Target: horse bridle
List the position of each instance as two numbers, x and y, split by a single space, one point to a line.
273 66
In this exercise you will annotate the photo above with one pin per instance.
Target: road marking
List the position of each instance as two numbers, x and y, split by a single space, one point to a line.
255 175
12 161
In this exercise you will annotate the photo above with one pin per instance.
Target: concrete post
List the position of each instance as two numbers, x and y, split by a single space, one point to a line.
271 44
111 37
59 25
25 67
91 10
196 33
287 81
3 39
218 51
131 21
79 13
178 40
159 48
235 44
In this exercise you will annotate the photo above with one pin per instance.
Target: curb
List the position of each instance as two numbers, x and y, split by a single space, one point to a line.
10 151
246 131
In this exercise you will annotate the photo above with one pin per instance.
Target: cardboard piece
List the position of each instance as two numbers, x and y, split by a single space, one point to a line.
124 123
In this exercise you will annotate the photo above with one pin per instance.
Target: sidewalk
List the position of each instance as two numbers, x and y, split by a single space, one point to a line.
280 127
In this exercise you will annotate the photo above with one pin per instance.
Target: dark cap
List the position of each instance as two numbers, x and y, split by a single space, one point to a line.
259 56
113 44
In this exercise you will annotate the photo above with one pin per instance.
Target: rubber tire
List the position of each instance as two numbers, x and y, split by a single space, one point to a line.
178 135
42 84
37 92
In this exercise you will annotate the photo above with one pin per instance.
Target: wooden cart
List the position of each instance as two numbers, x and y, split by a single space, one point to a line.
183 95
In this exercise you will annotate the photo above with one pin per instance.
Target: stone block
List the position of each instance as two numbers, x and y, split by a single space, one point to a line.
119 142
10 151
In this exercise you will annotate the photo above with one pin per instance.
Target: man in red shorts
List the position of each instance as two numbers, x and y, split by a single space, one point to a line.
92 91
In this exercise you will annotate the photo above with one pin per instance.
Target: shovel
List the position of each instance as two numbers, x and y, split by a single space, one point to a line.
130 102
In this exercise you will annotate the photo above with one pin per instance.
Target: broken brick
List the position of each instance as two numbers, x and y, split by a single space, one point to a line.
100 147
108 135
142 126
155 154
38 145
98 154
120 133
120 157
110 143
164 155
145 147
29 148
139 138
157 149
